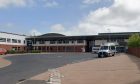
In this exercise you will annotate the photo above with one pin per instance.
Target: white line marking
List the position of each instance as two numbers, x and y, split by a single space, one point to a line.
55 77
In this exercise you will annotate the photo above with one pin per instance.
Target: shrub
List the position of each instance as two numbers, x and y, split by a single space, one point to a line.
11 52
134 40
14 52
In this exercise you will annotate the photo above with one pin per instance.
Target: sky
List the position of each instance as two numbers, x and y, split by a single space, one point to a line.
69 17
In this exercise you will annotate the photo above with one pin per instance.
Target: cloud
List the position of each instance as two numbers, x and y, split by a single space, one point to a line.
7 25
27 3
57 28
50 3
91 1
18 3
34 32
121 16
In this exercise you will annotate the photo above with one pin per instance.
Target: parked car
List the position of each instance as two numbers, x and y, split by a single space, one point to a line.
120 49
95 49
108 49
3 51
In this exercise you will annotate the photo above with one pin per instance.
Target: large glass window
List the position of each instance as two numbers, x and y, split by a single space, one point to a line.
80 41
24 42
41 42
14 41
2 39
60 42
66 41
72 41
8 40
19 41
52 42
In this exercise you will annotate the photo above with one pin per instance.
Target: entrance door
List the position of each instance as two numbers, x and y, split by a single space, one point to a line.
89 45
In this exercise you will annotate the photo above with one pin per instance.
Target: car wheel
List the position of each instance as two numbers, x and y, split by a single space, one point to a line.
113 54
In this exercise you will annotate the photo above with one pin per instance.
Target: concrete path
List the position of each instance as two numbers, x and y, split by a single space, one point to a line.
120 69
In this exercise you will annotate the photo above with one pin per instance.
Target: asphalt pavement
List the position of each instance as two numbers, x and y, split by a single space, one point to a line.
25 66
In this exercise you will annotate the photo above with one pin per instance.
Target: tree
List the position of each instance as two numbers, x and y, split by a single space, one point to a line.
134 40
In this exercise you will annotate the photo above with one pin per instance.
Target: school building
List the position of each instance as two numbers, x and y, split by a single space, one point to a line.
54 42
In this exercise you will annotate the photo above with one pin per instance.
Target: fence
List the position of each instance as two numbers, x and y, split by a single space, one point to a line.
134 51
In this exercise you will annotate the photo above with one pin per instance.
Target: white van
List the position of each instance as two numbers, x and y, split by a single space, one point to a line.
108 49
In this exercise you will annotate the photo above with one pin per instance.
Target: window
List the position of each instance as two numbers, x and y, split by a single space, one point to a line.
52 42
19 41
24 42
8 40
72 42
112 47
2 39
59 42
104 48
41 42
18 48
120 40
66 41
113 40
14 40
14 48
80 41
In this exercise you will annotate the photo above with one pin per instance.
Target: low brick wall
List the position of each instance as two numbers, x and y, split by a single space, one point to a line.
134 51
10 47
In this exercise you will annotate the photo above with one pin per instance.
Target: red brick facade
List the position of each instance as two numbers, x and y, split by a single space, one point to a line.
60 48
16 47
134 51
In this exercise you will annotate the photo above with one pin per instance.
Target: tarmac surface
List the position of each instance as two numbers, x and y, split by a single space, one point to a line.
24 67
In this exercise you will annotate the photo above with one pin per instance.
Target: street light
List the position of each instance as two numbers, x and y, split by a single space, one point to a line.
109 36
34 39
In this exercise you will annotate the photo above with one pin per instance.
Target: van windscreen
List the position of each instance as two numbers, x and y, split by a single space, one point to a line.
104 47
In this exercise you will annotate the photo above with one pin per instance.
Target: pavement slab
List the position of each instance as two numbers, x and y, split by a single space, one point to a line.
120 69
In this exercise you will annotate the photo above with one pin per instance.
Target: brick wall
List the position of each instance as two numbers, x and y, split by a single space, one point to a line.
10 47
61 48
134 51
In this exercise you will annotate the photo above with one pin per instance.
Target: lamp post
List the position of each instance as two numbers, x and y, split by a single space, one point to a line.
34 39
109 36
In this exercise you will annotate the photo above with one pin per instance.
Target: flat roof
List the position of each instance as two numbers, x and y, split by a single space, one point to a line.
13 33
119 35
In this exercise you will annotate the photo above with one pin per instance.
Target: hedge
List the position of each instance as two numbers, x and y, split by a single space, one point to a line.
134 41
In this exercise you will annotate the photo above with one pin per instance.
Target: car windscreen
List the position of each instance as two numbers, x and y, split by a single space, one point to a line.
95 48
104 48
